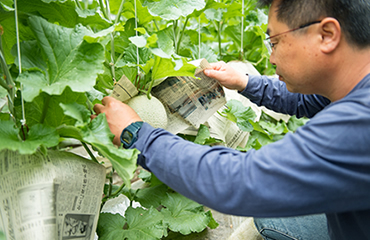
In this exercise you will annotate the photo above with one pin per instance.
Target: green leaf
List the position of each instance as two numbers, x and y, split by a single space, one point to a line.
184 215
258 128
139 224
130 55
174 9
145 175
215 14
46 109
205 52
202 135
212 223
101 35
8 39
257 140
38 135
124 161
31 56
70 60
138 41
110 226
164 67
98 134
165 42
150 178
274 128
63 12
151 196
233 10
7 4
294 123
76 111
241 115
142 13
92 17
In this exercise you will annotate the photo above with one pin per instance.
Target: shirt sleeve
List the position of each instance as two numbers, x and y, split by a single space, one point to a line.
273 94
323 167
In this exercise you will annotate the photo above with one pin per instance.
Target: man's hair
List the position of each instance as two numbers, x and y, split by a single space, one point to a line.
352 15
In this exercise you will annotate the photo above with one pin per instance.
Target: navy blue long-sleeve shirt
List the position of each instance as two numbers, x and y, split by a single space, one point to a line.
322 168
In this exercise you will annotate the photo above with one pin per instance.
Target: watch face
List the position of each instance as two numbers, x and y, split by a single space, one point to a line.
127 137
129 134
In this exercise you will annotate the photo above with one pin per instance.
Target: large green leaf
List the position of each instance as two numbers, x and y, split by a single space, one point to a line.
30 56
46 109
131 55
184 215
70 61
7 22
174 9
128 12
76 111
151 196
164 67
241 115
97 134
38 135
123 160
165 42
8 37
110 226
64 13
139 224
274 128
294 123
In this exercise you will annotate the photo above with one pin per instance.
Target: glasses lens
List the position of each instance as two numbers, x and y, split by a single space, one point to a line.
268 46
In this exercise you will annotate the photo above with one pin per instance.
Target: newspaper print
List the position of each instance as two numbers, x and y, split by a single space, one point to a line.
56 196
123 90
193 99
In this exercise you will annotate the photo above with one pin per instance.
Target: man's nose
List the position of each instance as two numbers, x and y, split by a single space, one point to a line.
272 58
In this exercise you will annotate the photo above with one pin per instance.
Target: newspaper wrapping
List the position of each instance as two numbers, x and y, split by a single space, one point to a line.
190 100
124 89
56 196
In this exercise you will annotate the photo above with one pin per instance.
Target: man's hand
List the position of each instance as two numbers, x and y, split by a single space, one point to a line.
227 76
118 114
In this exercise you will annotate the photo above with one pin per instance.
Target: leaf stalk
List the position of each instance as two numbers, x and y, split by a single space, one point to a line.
182 34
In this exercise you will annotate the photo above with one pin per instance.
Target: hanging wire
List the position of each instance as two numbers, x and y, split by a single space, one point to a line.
199 37
23 120
137 48
242 31
112 63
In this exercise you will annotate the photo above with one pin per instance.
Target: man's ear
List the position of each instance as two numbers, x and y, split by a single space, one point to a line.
331 33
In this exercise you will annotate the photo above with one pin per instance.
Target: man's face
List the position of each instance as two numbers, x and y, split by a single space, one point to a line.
294 54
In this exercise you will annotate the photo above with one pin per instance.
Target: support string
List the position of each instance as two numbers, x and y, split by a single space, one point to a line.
23 120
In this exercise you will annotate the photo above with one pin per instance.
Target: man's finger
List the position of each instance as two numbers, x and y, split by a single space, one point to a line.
106 100
98 108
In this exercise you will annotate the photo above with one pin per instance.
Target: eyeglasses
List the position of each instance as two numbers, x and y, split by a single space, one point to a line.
270 45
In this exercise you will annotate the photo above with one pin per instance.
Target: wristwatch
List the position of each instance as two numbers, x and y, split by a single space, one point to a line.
129 135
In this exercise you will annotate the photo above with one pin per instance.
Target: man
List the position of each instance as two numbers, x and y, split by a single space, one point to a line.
321 49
